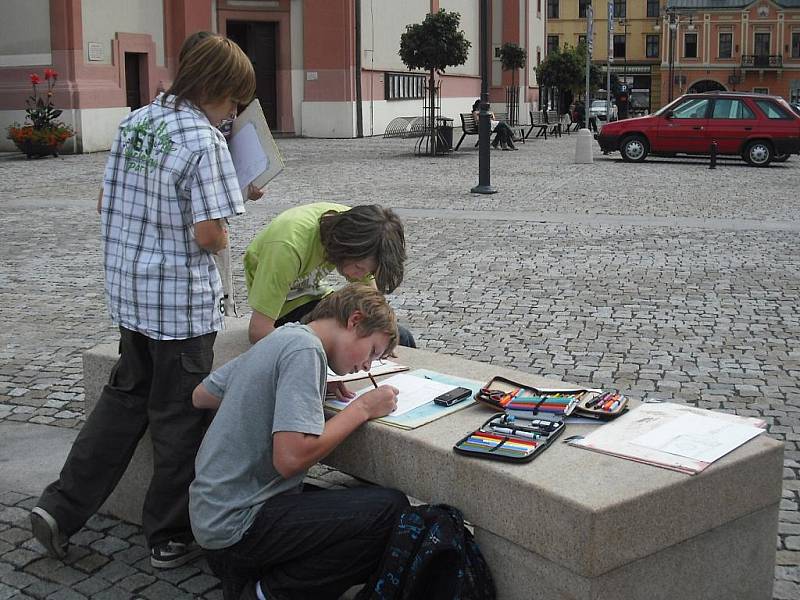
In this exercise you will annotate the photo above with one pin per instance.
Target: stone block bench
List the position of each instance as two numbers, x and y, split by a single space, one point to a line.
572 524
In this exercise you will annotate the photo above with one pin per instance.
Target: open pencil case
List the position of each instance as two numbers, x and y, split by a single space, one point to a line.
517 398
602 405
510 438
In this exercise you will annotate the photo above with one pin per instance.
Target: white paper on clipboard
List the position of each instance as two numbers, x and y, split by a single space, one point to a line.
255 156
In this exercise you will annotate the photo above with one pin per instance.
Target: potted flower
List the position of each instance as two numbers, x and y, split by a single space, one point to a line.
41 135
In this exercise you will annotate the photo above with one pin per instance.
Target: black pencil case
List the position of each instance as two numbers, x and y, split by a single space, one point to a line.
510 438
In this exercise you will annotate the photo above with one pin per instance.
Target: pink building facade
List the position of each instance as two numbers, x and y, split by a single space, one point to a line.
325 68
733 45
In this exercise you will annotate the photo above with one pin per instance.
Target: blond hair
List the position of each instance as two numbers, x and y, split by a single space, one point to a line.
376 314
212 70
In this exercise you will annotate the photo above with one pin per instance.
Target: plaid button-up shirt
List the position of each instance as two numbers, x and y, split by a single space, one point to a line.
168 169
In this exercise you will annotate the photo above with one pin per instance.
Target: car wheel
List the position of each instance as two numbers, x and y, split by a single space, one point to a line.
634 148
758 153
781 157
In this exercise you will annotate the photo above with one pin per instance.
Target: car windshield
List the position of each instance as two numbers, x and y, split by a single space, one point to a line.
599 104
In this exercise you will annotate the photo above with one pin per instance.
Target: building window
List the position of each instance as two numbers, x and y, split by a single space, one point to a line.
796 44
651 47
760 90
653 9
690 45
725 45
552 43
619 46
582 39
761 45
552 9
404 86
582 8
620 9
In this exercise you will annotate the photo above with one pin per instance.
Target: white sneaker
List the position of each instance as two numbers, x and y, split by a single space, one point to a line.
45 530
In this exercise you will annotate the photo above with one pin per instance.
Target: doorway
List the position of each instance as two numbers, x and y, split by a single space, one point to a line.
133 91
259 42
706 85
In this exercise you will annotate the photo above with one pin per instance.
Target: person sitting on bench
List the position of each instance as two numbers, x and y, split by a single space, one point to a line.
503 134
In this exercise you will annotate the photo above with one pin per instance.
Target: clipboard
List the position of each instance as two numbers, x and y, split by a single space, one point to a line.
255 155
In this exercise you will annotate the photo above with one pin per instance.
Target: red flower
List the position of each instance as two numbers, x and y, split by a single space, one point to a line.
35 78
50 74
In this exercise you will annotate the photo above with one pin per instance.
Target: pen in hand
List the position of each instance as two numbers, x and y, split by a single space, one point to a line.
372 379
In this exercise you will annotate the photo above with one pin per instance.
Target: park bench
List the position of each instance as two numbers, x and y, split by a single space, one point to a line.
571 524
538 122
469 126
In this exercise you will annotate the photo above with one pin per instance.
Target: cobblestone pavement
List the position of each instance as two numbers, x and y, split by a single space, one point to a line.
664 279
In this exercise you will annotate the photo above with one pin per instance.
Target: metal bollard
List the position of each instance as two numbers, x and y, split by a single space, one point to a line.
713 164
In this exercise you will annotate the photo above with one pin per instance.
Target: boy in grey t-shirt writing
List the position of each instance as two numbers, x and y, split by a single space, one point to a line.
263 537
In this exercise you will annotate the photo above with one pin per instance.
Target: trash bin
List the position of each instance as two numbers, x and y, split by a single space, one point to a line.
444 133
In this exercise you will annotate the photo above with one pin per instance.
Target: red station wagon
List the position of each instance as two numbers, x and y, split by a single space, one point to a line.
757 127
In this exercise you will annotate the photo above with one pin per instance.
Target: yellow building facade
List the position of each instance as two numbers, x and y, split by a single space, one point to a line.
635 42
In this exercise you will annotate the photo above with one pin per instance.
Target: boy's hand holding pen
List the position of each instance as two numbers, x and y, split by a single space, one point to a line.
381 401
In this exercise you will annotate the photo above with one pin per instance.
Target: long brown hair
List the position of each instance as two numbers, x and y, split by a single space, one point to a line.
368 231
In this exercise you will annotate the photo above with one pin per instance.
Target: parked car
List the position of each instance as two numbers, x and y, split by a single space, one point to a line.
598 110
756 127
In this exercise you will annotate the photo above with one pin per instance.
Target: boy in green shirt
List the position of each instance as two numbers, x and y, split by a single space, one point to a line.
286 263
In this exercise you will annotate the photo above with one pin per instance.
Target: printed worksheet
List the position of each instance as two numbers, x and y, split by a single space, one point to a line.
698 437
414 392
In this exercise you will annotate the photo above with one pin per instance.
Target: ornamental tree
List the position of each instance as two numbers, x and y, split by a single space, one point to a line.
512 57
434 45
566 69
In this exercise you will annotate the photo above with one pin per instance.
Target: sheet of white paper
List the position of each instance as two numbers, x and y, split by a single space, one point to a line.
697 437
414 392
378 367
248 156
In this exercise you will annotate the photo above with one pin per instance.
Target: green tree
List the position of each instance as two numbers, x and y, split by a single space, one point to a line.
434 45
566 69
512 58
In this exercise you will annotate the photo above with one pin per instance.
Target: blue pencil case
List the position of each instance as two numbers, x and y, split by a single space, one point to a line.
511 438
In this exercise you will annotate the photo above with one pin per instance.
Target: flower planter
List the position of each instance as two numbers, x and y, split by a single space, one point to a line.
38 149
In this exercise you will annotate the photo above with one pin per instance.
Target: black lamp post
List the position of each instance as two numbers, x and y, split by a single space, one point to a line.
484 128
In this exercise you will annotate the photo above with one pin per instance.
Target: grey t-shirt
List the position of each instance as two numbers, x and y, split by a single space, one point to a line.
277 385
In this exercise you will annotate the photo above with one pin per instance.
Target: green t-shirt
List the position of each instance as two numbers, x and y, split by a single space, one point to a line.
284 265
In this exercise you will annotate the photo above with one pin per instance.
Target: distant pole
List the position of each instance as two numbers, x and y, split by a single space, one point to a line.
589 45
609 59
484 179
672 26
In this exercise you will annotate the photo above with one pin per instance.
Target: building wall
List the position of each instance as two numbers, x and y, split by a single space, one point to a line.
781 77
537 22
317 70
25 38
102 19
382 24
635 68
91 87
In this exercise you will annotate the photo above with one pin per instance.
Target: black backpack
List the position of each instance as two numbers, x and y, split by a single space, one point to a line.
431 555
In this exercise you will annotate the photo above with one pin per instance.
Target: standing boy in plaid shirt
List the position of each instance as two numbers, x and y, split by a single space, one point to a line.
168 186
